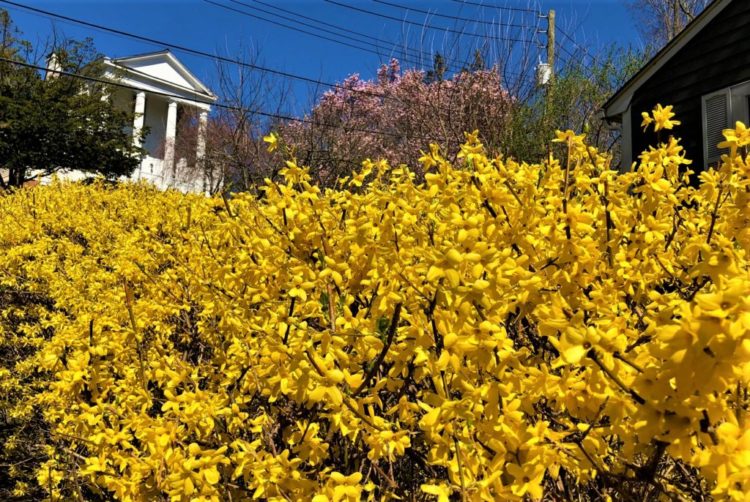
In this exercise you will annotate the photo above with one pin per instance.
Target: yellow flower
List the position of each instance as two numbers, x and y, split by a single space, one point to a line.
442 491
429 160
568 137
487 326
663 118
273 141
735 138
647 120
527 479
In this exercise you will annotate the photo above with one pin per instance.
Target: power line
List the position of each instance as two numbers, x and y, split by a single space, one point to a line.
565 50
299 30
324 23
414 62
197 52
192 51
447 16
518 9
427 26
576 44
375 41
498 7
189 50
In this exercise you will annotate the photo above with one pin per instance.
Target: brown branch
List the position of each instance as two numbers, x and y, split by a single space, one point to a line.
288 325
714 216
636 397
386 346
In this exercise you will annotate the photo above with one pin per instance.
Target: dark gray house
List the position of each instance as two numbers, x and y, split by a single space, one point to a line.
704 72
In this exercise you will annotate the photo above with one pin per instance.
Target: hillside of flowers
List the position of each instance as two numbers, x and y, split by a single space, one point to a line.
501 331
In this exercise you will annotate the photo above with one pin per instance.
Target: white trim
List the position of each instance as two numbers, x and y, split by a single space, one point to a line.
161 55
622 99
134 78
738 109
626 141
740 105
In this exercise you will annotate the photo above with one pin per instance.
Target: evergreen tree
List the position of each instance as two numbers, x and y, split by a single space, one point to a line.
53 122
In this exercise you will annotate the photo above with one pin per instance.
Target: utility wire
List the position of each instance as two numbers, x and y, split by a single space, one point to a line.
189 50
300 30
197 52
447 16
427 26
498 7
564 49
192 51
577 45
406 59
537 12
412 61
375 41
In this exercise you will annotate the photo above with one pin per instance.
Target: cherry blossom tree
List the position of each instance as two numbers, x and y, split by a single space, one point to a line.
396 115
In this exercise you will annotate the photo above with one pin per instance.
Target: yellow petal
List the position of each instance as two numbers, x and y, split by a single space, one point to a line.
453 278
211 475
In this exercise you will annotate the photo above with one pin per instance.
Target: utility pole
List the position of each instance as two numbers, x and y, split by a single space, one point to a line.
551 69
551 43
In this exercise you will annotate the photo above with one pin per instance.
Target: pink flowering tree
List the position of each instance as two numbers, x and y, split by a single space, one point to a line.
395 116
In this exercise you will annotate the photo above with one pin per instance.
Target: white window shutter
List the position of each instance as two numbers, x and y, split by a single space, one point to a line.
716 112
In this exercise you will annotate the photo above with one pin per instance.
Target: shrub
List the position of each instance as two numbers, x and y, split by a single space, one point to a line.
502 330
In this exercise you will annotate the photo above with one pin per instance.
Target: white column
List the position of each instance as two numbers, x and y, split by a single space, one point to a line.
200 150
169 139
53 66
139 118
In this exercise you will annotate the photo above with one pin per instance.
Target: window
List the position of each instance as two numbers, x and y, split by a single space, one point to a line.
721 109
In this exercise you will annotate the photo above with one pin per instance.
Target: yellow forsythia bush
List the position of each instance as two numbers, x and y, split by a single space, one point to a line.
502 331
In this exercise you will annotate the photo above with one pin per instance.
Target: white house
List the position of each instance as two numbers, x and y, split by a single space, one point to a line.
163 87
158 88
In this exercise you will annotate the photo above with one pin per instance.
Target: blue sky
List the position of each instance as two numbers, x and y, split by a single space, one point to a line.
201 25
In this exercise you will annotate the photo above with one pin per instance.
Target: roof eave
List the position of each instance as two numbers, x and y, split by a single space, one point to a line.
143 55
620 101
187 74
205 97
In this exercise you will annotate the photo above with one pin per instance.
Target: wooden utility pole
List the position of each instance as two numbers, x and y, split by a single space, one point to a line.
550 65
551 44
551 69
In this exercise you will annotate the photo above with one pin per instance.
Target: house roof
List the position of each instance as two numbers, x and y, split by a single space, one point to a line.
620 102
139 64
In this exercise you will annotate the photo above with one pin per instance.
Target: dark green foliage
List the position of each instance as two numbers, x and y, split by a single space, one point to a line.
60 122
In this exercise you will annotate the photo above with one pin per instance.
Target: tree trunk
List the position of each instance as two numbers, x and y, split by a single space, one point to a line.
16 176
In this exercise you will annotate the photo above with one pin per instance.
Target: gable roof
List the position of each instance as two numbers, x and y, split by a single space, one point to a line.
620 102
164 67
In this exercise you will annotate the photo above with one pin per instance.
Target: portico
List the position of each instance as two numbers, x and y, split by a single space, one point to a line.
164 90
